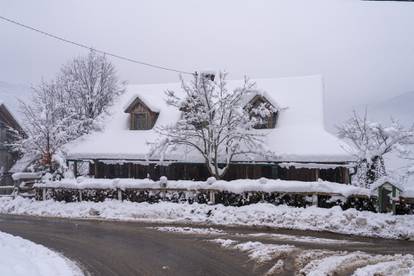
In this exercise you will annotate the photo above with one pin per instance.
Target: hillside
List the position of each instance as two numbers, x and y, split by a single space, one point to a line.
400 108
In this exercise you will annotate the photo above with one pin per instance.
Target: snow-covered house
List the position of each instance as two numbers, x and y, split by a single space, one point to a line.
8 124
303 149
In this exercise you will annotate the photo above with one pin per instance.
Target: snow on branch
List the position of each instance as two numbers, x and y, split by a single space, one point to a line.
215 122
371 141
67 107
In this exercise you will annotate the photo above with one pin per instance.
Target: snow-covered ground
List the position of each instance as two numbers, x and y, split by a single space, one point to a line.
20 257
335 219
280 258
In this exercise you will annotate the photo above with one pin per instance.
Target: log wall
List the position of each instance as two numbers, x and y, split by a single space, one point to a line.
194 171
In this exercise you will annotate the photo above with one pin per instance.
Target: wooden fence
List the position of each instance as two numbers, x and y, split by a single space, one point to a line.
211 196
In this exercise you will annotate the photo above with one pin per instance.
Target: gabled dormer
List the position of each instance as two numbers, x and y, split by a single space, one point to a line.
269 121
141 116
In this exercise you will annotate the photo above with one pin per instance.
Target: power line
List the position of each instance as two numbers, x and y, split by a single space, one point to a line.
93 49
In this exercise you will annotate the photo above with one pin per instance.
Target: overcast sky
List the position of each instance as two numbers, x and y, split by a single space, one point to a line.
364 50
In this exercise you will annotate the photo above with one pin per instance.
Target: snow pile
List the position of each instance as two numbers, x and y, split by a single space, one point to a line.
22 257
261 252
258 251
334 219
303 239
363 264
404 265
224 242
234 186
190 230
318 262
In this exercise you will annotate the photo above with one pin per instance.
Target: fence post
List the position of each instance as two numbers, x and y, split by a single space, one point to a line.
212 197
315 200
119 194
80 195
44 193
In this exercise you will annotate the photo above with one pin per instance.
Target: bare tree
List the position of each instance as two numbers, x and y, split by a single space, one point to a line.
90 84
67 107
47 123
371 141
215 122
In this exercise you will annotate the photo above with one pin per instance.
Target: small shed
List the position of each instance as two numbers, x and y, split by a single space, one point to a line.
388 196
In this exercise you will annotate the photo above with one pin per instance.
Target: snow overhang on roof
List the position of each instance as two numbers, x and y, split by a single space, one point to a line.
300 135
10 120
137 99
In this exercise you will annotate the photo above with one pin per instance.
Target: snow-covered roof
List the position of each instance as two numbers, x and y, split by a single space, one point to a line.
23 163
299 135
9 118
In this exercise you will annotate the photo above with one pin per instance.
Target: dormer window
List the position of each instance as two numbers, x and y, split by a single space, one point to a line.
140 120
268 121
141 116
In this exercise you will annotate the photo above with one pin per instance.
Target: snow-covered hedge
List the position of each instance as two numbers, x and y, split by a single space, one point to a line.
235 186
229 193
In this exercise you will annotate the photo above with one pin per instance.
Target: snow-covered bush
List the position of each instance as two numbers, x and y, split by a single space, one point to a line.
370 142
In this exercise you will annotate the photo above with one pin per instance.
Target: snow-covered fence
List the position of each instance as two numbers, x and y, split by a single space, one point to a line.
24 183
229 193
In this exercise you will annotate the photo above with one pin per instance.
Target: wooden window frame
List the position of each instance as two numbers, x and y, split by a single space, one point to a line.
134 121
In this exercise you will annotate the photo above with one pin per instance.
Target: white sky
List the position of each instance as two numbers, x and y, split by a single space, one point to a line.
364 50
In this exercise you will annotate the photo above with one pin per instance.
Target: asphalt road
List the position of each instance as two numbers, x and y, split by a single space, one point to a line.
132 248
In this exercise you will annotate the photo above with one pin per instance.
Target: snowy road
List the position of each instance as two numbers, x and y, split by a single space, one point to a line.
132 248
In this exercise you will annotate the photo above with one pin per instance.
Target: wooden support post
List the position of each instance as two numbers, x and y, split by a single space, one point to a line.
95 162
316 174
119 194
394 194
380 200
75 168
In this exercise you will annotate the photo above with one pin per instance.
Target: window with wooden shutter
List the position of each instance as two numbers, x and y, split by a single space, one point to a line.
141 116
140 121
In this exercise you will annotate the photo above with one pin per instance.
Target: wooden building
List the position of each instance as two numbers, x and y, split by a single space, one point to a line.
295 133
8 124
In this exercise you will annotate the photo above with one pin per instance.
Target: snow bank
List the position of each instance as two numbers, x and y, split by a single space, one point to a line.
264 252
190 230
335 219
403 265
321 262
235 186
20 257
